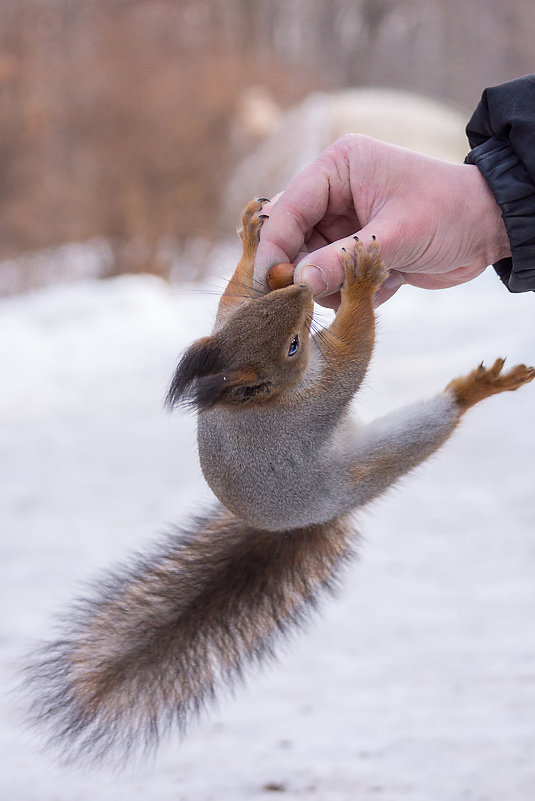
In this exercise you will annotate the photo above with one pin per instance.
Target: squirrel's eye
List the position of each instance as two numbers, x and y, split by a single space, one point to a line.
294 345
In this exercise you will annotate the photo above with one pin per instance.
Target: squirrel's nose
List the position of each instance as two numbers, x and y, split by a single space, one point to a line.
296 291
306 290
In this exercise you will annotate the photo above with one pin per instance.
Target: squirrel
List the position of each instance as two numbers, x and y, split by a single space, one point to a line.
288 466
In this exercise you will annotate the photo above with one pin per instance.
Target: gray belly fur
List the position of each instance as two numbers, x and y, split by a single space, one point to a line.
265 470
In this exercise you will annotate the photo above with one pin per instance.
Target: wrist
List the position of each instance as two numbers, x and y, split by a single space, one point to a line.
487 219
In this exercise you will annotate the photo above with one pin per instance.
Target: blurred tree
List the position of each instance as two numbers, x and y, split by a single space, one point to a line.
119 118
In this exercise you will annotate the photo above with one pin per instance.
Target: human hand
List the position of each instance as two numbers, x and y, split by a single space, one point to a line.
437 223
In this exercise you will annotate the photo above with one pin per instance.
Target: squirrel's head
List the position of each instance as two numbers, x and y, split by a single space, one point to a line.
260 352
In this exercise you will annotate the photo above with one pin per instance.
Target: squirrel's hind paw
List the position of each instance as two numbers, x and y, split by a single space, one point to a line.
484 381
363 266
252 221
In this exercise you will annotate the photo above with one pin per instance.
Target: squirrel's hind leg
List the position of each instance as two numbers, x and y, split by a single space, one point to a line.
241 286
484 381
348 343
389 447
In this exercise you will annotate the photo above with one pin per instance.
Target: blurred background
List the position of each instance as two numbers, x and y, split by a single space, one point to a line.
123 122
131 134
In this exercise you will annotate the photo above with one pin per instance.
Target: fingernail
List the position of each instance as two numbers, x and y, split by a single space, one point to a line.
314 277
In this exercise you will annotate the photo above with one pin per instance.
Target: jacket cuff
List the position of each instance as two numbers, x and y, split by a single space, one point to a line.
514 192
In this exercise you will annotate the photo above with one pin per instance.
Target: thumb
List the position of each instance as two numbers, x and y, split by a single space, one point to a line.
323 269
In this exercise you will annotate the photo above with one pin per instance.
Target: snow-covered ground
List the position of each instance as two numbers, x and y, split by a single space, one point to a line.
416 684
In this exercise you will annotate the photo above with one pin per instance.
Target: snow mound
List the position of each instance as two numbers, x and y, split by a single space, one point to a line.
401 118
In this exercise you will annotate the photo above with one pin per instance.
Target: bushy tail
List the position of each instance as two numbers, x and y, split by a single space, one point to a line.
157 639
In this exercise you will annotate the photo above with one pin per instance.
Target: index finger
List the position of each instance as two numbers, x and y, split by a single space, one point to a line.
298 209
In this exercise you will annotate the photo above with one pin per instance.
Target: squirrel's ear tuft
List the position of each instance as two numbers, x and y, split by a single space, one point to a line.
210 390
233 386
200 360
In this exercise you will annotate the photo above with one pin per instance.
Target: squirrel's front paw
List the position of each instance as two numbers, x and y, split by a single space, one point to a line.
484 381
364 269
252 221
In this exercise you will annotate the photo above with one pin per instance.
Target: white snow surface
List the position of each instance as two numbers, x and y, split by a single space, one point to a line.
416 684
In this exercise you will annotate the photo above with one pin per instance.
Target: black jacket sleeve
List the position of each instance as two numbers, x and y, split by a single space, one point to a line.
501 133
